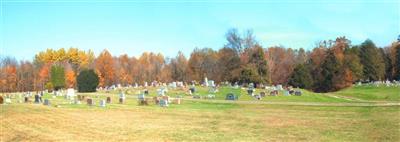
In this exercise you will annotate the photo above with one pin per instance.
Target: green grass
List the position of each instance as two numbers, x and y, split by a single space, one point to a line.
372 93
205 120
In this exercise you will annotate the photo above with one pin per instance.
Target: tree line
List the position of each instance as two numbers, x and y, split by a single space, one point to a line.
331 65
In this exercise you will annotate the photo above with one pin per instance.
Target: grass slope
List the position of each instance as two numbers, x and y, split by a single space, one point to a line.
372 93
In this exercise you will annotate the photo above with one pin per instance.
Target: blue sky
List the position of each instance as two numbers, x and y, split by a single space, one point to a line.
169 26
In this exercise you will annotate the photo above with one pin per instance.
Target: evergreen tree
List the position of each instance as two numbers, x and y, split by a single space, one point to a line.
374 66
301 77
397 62
330 69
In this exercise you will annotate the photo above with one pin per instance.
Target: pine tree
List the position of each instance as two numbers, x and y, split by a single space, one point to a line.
301 77
374 66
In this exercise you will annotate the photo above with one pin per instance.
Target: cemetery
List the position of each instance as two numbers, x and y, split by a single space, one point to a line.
154 104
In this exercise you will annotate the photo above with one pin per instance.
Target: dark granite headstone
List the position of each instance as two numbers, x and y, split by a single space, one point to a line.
89 101
297 93
231 96
1 100
262 94
46 102
37 98
156 100
108 100
26 100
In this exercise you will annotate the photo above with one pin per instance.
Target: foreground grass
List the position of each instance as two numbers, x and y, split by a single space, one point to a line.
196 121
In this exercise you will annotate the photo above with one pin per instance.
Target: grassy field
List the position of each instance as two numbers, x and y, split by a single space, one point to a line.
372 93
202 121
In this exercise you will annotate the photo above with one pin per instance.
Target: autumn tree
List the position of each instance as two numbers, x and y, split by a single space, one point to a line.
228 65
178 67
281 62
203 63
26 76
105 67
8 74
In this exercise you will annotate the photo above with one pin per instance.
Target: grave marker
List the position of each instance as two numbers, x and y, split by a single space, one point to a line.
156 100
89 101
109 100
102 103
262 94
26 100
231 96
8 100
1 100
38 99
46 102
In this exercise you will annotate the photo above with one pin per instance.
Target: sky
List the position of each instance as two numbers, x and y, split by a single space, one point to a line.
168 26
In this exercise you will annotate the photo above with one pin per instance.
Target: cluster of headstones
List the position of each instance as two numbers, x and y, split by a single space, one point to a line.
161 99
386 83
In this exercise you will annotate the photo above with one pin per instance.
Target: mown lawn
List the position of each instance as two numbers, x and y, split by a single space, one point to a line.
196 121
202 121
372 93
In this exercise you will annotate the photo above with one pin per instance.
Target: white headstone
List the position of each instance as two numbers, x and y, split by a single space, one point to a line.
71 92
102 103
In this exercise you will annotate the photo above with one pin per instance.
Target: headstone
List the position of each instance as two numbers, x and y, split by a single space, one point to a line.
206 81
89 101
37 99
77 102
109 100
46 102
196 97
164 101
262 94
156 100
80 97
291 91
121 98
26 100
279 87
231 96
211 83
102 103
70 93
297 93
250 91
210 96
192 90
274 93
177 101
7 100
146 92
286 93
1 100
258 97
